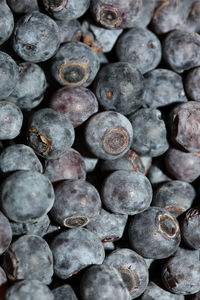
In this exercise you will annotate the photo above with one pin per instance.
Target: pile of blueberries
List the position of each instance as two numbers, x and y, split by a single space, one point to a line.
99 149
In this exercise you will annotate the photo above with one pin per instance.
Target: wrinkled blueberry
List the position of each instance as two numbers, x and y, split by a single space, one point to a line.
6 22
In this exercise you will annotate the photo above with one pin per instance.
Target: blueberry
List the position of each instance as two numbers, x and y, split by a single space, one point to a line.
9 72
163 87
154 233
75 64
74 250
11 119
109 246
103 282
140 47
23 6
132 268
181 50
181 275
70 30
64 292
126 192
108 135
36 37
69 165
77 202
29 257
6 233
26 195
6 22
149 132
120 87
66 9
108 226
146 14
184 125
3 283
190 228
157 174
116 14
30 88
50 133
29 290
19 157
175 196
191 84
77 103
183 165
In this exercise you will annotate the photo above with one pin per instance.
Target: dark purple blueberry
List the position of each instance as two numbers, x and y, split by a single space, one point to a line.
36 37
19 157
50 133
29 290
74 250
140 47
76 103
66 9
175 196
109 227
115 13
181 50
132 268
120 87
77 202
103 282
183 165
126 192
26 195
163 87
181 275
75 64
9 73
149 132
6 22
11 119
64 292
30 87
190 228
70 30
108 135
23 6
192 84
29 257
3 284
154 233
5 233
69 165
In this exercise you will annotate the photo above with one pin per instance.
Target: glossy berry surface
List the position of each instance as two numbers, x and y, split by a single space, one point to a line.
5 233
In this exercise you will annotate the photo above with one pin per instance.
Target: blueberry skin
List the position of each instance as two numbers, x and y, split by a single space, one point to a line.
149 132
126 192
77 202
163 87
181 275
102 283
181 50
175 196
6 233
146 14
30 88
19 157
119 87
190 228
66 9
36 37
64 292
23 6
50 133
140 47
108 226
191 84
154 291
157 174
6 22
11 119
75 64
108 135
70 30
182 165
3 283
22 204
29 290
9 73
154 233
74 250
133 269
29 257
116 14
